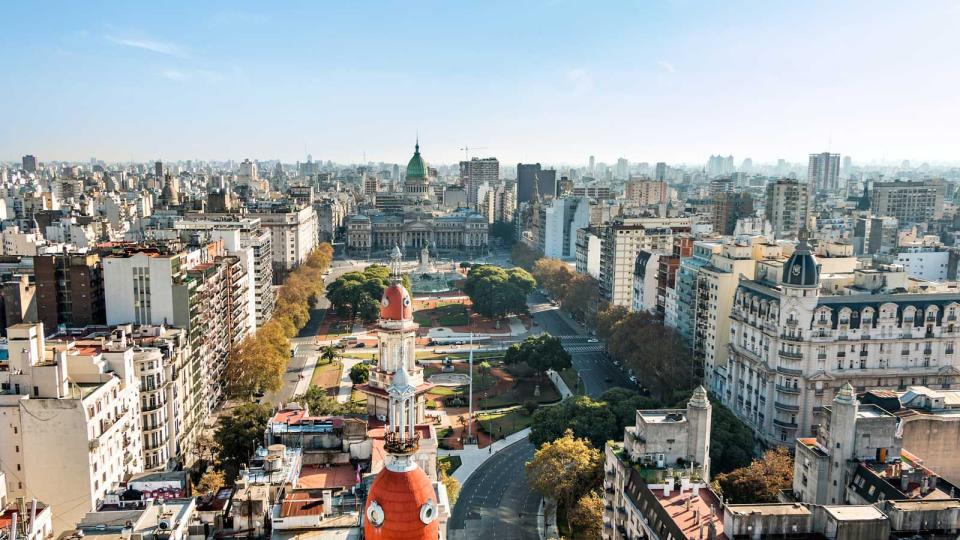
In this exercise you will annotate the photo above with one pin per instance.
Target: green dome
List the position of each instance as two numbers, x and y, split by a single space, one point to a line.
417 167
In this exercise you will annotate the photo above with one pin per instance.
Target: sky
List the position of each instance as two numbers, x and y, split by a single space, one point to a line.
531 81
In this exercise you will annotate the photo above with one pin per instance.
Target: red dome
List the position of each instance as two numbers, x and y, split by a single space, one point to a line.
404 507
395 304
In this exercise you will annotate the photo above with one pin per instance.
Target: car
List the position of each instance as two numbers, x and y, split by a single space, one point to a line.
633 379
361 345
593 340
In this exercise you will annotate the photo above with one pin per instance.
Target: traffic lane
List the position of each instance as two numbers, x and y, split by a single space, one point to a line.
598 374
497 500
549 320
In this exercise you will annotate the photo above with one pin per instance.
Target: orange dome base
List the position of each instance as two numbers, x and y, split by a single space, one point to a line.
402 497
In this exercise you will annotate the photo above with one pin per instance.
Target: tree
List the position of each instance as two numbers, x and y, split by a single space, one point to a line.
357 294
496 292
608 318
449 482
329 353
589 419
318 402
541 353
238 434
761 481
624 404
565 470
531 406
504 231
525 256
210 482
587 516
553 275
359 373
582 294
484 369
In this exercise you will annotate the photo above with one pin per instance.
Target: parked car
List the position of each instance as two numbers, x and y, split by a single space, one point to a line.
593 340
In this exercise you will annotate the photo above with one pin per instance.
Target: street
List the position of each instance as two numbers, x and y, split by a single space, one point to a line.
496 502
493 498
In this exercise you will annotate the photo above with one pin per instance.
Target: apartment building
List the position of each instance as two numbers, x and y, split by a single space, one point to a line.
589 245
623 239
559 221
787 207
804 328
294 234
170 420
200 289
909 202
69 289
646 192
70 423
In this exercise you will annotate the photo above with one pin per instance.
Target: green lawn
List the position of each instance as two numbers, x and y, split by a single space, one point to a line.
445 314
503 424
453 461
522 391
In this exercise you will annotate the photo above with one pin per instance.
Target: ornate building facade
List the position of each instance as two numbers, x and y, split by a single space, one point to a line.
797 336
418 222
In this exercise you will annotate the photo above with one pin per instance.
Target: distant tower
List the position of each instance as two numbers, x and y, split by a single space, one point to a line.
700 416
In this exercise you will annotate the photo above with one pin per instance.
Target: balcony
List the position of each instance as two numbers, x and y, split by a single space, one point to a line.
788 389
784 424
788 371
791 355
786 406
788 337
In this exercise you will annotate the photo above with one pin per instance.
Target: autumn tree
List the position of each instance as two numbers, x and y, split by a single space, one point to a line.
586 517
553 275
210 482
580 415
565 469
524 255
761 481
450 483
581 295
608 318
238 434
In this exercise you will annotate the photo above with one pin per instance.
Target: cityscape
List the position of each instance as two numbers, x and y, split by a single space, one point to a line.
498 272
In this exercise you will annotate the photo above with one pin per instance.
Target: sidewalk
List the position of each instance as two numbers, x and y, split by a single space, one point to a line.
547 520
306 375
471 457
345 390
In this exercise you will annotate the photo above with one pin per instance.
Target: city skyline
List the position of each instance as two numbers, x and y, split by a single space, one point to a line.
549 82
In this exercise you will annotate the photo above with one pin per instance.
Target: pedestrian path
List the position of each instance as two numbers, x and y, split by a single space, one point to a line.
472 457
345 390
585 348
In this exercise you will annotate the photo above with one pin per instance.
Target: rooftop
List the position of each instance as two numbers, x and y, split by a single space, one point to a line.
319 477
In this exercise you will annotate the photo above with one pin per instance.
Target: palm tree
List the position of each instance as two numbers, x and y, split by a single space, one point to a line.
329 353
484 368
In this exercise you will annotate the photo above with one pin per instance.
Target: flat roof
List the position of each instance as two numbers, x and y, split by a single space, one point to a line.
864 512
318 477
923 504
788 509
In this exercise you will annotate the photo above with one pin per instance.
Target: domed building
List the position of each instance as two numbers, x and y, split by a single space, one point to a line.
416 222
416 186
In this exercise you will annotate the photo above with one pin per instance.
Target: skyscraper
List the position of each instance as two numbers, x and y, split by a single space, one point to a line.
30 163
622 167
661 172
592 166
529 173
158 169
823 171
475 172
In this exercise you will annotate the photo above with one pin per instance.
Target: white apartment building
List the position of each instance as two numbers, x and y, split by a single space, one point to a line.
589 246
560 219
294 234
798 332
645 282
70 423
17 242
928 263
623 239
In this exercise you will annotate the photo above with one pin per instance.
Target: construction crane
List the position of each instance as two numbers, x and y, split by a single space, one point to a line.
467 149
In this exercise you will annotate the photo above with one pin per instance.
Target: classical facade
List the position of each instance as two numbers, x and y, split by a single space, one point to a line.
798 335
416 221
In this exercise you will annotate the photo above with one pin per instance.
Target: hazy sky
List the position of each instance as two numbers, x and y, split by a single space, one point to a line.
530 81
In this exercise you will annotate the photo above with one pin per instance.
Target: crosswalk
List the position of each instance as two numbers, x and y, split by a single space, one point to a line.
584 348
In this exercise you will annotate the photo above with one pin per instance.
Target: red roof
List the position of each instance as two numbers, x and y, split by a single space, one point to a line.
288 416
302 503
402 495
395 304
316 477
